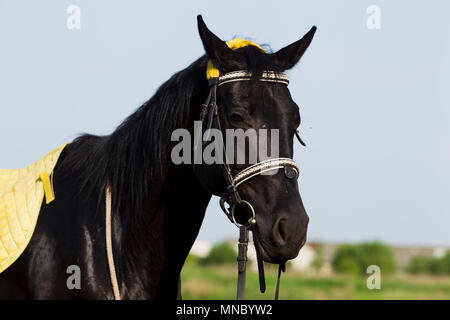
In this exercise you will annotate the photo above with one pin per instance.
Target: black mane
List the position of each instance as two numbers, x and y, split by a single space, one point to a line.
134 159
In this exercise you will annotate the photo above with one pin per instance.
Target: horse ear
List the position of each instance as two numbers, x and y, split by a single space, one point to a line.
288 57
216 49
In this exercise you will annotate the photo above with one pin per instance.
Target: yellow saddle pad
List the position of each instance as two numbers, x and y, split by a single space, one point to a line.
21 195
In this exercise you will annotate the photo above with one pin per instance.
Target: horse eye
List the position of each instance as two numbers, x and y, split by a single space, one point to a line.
236 117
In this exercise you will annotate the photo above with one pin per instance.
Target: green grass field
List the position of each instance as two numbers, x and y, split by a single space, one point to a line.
219 282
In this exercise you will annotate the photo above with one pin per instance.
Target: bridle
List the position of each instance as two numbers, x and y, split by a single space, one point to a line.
209 117
231 197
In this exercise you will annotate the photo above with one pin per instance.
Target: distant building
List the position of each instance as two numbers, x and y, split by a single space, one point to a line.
403 254
201 248
304 259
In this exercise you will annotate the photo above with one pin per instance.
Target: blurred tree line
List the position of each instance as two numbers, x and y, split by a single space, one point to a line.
220 254
430 265
348 258
355 258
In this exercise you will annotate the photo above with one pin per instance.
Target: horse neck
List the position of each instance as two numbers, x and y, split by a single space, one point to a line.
153 246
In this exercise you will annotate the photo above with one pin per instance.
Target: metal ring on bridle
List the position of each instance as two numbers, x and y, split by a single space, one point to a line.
251 221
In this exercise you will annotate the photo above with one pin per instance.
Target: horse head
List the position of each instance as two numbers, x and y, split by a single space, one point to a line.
249 93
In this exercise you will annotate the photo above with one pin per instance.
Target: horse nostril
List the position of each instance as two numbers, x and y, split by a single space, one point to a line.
280 233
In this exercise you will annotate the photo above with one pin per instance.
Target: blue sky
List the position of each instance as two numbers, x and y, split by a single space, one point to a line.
375 104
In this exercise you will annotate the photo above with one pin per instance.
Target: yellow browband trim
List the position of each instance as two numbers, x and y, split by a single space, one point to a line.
236 43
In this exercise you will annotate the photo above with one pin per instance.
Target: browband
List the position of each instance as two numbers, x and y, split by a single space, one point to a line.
242 75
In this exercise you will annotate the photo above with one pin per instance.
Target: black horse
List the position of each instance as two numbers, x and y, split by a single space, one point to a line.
157 206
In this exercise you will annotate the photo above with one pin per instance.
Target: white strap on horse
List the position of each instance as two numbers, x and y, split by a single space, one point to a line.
243 75
109 249
264 167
